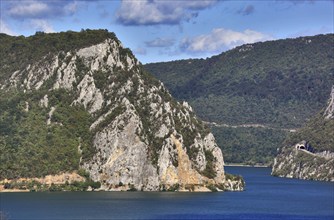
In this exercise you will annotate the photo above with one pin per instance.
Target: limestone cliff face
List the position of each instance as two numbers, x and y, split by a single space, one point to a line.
298 163
144 139
329 112
304 161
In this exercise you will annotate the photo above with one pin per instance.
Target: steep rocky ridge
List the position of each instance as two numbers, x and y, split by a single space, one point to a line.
138 136
309 153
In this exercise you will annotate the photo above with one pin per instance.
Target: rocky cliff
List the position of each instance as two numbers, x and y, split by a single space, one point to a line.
312 159
329 112
138 136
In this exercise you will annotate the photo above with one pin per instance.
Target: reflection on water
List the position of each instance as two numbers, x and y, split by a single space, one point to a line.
265 197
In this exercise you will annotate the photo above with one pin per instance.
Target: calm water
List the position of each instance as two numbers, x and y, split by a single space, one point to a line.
265 197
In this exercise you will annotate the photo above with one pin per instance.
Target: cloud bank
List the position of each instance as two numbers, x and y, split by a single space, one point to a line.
37 14
34 9
153 12
221 39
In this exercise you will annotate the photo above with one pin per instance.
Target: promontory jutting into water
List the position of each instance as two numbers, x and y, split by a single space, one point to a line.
108 120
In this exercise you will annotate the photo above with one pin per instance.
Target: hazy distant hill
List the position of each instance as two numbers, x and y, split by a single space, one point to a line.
278 84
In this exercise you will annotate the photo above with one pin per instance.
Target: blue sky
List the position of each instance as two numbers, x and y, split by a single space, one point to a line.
163 30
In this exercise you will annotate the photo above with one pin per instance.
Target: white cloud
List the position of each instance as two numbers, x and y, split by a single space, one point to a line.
150 12
41 9
28 9
221 39
5 29
37 14
41 25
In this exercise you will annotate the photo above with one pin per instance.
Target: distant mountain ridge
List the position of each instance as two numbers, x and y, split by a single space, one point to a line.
279 84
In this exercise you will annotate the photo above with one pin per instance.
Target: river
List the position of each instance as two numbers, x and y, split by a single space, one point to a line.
265 197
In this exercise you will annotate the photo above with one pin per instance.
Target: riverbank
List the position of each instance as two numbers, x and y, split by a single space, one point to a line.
264 198
60 182
14 190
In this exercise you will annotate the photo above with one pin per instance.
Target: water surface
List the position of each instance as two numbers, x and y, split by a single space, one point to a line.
266 197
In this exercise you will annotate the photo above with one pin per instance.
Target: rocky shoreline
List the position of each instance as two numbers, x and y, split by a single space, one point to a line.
75 182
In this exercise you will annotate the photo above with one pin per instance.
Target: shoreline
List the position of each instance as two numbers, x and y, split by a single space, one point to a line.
14 190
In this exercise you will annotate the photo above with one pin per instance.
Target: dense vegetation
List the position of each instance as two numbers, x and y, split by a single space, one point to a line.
319 132
253 146
17 52
279 83
31 148
266 83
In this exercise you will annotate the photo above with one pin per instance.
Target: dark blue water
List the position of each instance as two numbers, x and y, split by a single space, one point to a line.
265 197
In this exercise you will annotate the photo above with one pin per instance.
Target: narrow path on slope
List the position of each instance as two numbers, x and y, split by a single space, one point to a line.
250 126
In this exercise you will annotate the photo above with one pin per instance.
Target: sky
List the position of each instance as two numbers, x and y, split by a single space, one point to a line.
164 30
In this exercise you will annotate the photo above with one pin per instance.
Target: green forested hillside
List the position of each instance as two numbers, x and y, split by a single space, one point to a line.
18 52
280 84
252 146
317 136
29 147
319 132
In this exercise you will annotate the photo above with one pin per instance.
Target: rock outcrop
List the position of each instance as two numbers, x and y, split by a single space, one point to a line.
303 161
298 163
143 138
329 112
